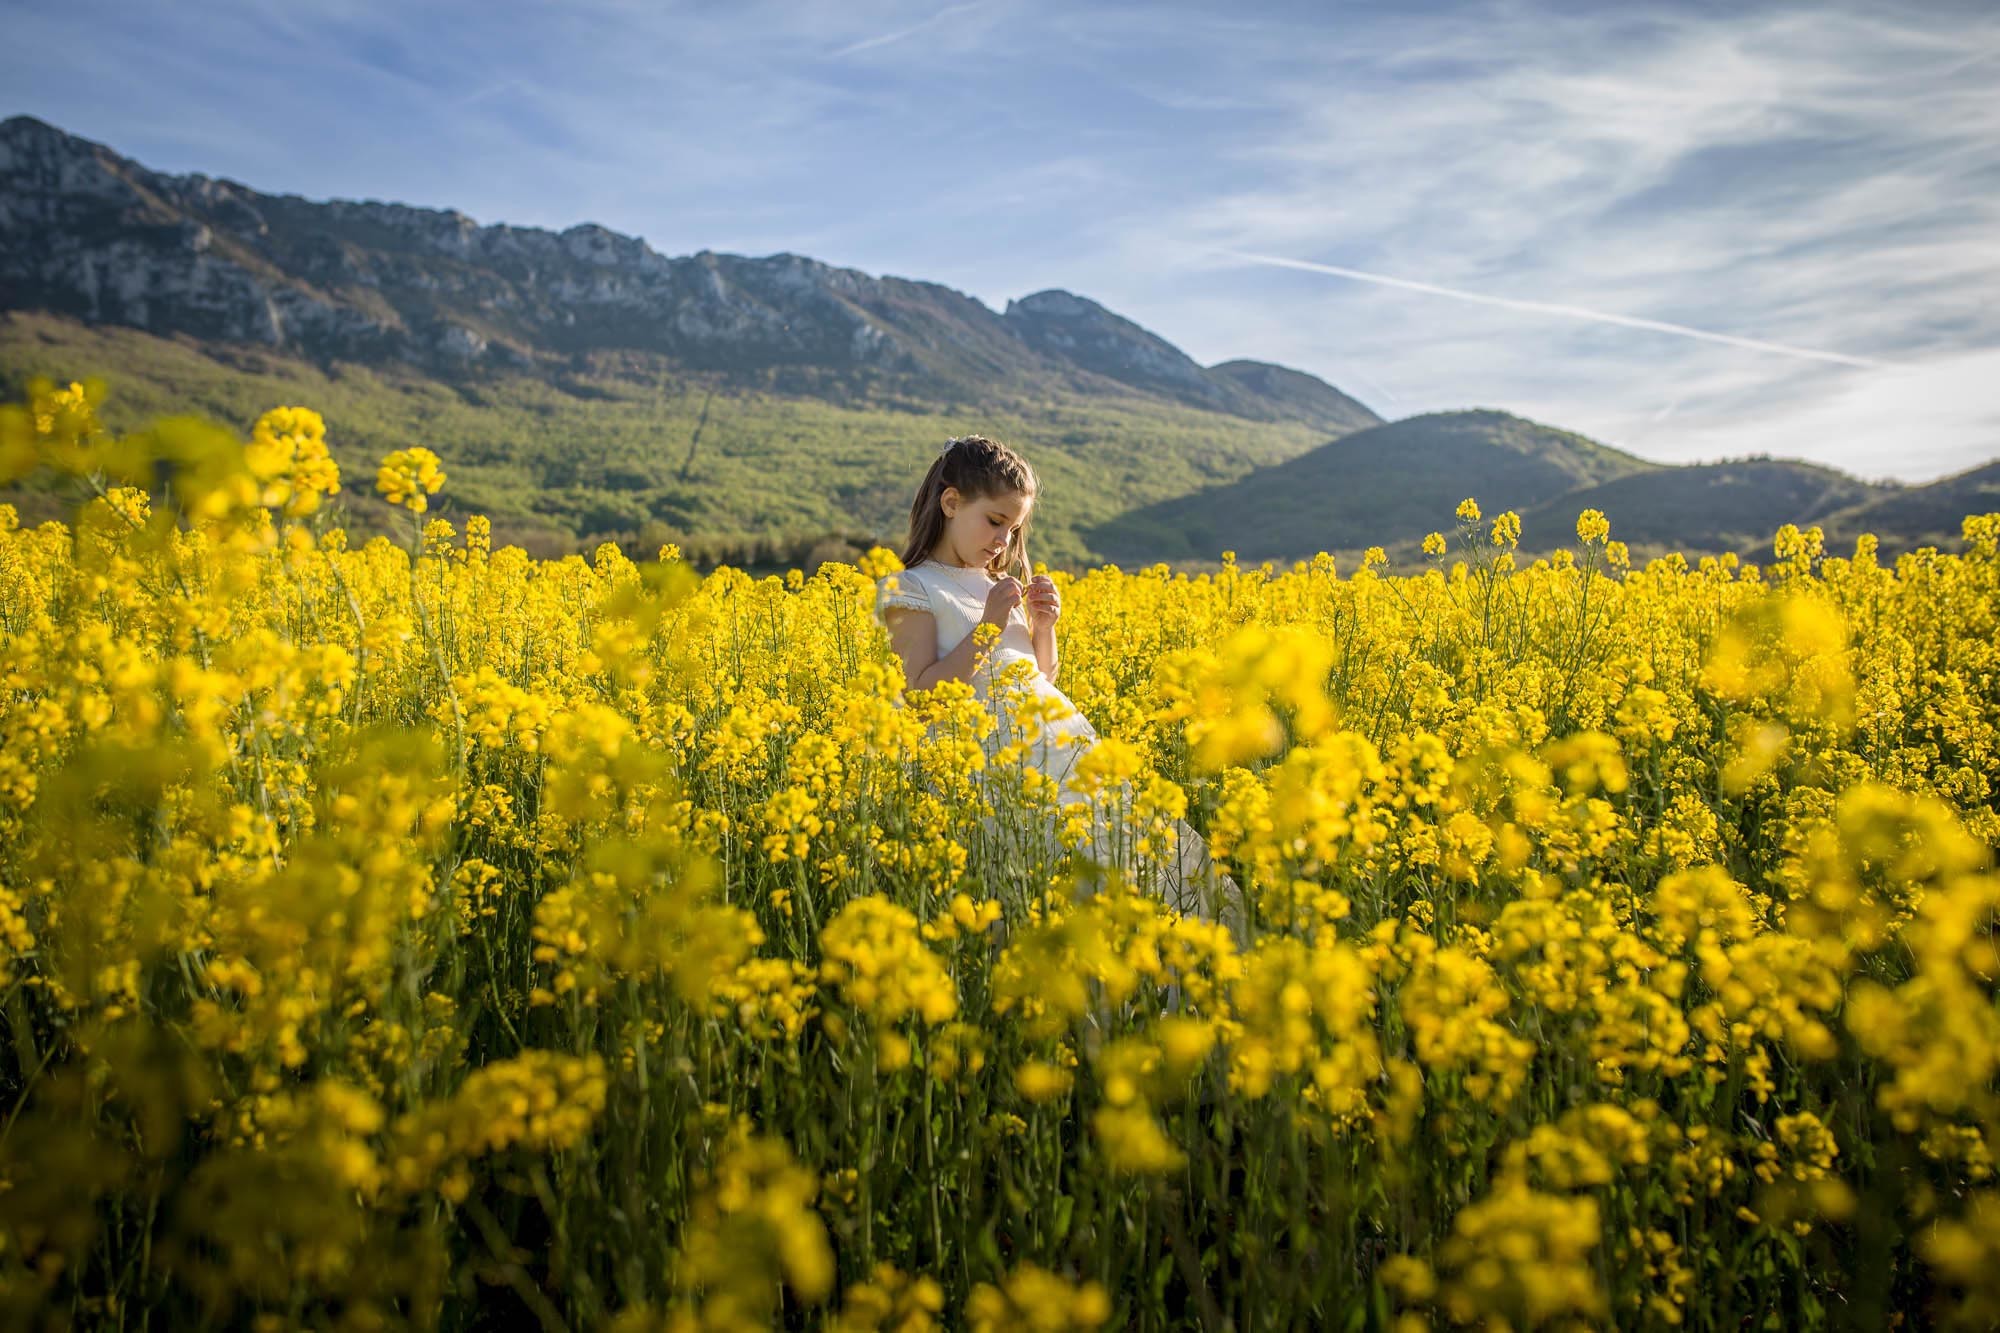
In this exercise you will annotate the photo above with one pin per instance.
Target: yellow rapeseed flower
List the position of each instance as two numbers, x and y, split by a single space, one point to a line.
409 477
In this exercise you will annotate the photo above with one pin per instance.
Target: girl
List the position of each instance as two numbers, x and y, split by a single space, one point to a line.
966 564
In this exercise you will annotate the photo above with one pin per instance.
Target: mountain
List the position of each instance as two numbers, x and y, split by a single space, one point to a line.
1080 332
1931 514
1387 485
1733 506
1311 398
96 236
1380 486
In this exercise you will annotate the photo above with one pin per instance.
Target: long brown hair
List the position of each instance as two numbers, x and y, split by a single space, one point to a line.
979 468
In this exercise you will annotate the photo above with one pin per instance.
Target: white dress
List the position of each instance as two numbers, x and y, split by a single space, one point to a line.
956 598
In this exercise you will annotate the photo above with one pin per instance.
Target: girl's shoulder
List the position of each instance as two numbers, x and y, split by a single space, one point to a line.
939 583
909 587
913 576
927 574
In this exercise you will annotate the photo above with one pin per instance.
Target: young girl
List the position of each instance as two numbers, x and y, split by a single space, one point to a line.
966 564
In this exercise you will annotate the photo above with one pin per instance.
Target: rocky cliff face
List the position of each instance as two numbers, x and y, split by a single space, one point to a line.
1081 332
89 233
1074 329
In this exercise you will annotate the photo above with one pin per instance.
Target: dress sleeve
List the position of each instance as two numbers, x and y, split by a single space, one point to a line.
900 589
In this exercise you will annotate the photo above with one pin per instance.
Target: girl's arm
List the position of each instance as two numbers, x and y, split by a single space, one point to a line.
914 635
1044 609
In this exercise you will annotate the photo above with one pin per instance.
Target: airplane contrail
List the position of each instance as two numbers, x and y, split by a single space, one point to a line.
1573 312
491 90
867 42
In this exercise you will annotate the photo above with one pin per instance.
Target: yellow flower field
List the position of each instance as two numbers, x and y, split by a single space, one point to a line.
425 935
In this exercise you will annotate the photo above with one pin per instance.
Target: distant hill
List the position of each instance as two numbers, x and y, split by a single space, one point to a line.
1931 514
1733 506
1738 505
1375 487
1388 485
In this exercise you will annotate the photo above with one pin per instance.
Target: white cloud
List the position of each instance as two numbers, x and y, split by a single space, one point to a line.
1807 178
1916 422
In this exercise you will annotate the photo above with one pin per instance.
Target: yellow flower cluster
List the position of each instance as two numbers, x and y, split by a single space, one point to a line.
409 477
1032 1297
753 1221
287 453
873 951
539 1100
1522 1257
890 1301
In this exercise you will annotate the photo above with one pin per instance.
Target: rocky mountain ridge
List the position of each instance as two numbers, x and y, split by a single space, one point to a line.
88 233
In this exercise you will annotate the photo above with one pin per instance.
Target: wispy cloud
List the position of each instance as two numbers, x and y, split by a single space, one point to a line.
491 90
1911 421
883 39
1551 308
1783 182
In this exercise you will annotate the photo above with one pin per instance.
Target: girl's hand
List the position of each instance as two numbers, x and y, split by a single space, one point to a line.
1044 602
1001 600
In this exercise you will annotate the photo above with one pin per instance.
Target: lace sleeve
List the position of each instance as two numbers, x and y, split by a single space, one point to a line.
900 589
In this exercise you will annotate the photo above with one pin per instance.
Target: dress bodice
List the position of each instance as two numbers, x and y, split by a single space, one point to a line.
956 599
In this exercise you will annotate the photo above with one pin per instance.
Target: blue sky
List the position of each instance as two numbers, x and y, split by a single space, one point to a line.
1692 230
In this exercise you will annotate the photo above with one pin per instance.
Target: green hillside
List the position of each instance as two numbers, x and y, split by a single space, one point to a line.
1711 507
1928 515
1385 485
624 448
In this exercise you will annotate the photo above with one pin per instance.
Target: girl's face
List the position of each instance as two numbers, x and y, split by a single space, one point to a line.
977 532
